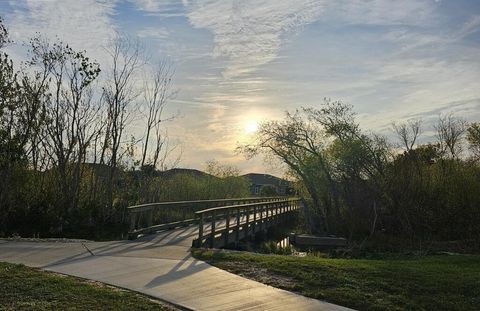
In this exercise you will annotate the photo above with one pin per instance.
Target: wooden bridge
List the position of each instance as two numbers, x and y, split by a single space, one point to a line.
220 222
161 264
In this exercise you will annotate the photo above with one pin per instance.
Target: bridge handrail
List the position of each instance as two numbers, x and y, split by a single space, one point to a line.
149 206
221 208
151 217
248 219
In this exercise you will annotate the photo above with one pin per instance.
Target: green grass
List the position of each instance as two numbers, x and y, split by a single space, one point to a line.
425 283
23 288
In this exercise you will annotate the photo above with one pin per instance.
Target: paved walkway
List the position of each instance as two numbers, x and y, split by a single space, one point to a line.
160 266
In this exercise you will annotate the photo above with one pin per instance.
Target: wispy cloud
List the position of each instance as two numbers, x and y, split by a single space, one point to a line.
85 24
163 8
250 33
382 12
153 33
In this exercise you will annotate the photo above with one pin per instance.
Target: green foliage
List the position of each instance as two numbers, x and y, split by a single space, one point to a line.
437 200
186 186
272 247
268 191
425 283
357 184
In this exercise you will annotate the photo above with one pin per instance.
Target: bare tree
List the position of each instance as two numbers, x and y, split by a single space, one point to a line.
473 137
408 132
3 34
450 131
120 93
164 149
69 110
157 92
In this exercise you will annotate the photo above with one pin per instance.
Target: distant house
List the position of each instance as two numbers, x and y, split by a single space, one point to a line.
268 184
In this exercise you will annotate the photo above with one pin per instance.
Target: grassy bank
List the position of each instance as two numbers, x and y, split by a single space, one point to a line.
23 288
426 283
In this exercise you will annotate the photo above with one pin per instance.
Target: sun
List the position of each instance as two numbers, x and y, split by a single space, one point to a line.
251 127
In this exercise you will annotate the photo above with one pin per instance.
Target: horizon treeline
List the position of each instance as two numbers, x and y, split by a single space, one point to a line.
69 162
362 185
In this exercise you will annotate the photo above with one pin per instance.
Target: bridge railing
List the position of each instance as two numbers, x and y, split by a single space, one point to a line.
152 217
248 219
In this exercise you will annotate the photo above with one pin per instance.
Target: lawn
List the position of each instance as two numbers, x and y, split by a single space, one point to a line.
23 288
447 282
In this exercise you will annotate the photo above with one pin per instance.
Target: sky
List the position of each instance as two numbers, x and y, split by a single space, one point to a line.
238 63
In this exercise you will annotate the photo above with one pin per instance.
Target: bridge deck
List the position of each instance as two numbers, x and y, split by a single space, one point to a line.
161 266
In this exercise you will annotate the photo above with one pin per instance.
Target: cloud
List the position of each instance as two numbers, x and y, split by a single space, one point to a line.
153 33
149 5
250 33
469 27
85 24
163 8
383 12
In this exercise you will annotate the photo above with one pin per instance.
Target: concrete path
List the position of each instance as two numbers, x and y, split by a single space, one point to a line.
161 266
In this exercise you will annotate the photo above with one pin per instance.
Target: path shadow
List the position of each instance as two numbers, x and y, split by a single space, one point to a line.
177 272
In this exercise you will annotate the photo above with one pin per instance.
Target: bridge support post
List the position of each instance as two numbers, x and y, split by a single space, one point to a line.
237 228
247 222
200 231
150 218
133 218
212 231
267 217
277 213
227 228
260 223
254 225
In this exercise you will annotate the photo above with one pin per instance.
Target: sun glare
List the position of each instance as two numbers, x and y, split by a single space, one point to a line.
251 127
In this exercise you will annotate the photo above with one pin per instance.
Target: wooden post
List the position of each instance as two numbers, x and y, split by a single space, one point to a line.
267 215
274 213
237 229
281 216
280 205
247 216
150 218
200 231
277 213
227 227
133 218
261 217
212 231
254 219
